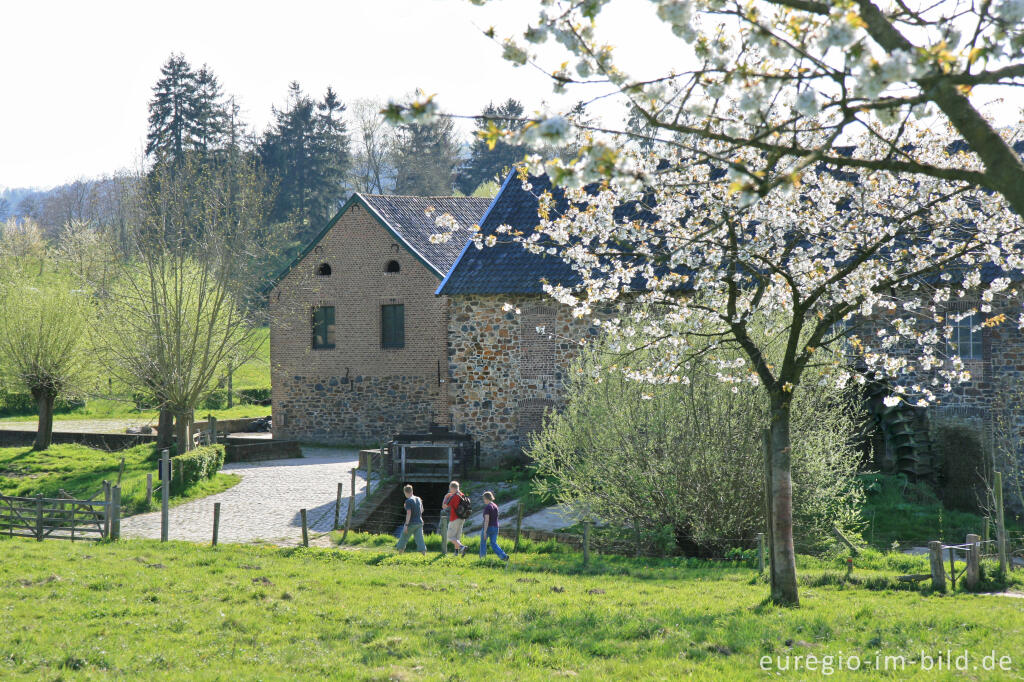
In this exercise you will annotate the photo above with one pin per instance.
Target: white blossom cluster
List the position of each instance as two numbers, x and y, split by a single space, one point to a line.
869 261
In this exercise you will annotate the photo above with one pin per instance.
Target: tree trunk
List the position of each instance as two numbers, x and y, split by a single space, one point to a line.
783 568
44 433
183 431
164 429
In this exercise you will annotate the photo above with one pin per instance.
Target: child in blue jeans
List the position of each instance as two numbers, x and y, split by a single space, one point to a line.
490 531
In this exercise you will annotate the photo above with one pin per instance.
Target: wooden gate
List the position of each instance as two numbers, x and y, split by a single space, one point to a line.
62 517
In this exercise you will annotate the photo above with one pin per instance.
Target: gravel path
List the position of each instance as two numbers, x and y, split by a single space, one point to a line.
80 425
265 504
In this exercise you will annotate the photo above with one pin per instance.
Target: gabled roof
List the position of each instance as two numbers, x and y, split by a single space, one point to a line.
506 267
411 221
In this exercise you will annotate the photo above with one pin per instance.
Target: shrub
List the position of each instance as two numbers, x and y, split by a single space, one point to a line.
689 455
254 396
194 466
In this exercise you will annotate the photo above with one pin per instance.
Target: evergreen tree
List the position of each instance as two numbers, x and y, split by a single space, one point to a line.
306 156
425 158
187 112
484 163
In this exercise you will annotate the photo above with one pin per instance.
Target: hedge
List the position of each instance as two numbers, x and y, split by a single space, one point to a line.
17 404
217 399
195 465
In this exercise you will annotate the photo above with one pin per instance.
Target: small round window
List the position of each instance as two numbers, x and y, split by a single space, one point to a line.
392 266
324 270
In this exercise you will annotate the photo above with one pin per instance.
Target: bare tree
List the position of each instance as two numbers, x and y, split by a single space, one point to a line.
373 169
178 311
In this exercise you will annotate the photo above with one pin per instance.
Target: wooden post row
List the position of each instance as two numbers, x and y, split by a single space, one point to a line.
938 569
1000 522
216 522
351 507
337 507
165 493
973 561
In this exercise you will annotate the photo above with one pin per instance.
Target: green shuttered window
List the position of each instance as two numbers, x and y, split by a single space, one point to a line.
392 326
323 327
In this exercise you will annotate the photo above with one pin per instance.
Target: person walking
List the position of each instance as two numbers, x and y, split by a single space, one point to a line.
442 524
490 529
413 522
456 520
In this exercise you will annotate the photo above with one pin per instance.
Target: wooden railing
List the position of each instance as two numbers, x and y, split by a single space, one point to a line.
63 517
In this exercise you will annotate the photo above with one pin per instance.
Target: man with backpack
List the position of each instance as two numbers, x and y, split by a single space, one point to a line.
458 508
413 522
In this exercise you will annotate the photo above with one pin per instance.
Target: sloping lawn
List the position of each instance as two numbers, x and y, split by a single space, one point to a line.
81 471
142 610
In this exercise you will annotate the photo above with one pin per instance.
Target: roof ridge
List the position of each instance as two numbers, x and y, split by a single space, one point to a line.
419 196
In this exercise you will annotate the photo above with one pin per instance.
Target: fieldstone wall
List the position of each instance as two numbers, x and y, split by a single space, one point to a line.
508 369
359 410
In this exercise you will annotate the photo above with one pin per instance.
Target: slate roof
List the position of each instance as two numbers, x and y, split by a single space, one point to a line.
412 219
506 267
408 220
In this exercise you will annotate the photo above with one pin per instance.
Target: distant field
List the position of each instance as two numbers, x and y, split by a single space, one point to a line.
142 610
254 374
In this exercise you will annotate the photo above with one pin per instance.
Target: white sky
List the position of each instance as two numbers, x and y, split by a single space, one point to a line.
77 76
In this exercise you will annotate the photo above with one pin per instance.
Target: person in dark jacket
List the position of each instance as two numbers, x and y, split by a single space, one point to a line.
413 522
490 530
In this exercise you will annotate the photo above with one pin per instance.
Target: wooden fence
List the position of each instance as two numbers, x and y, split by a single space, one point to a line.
63 517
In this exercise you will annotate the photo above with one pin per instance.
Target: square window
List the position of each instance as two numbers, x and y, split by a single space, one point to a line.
965 341
392 326
323 327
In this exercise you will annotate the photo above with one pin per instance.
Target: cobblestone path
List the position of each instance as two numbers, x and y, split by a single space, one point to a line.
265 504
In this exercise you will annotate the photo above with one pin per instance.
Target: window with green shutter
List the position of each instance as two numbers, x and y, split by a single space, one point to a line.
392 326
323 327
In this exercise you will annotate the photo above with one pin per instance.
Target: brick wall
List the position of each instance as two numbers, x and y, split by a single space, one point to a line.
504 374
357 392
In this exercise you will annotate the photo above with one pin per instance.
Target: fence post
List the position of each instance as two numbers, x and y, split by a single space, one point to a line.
760 553
1000 522
213 429
216 522
305 530
115 513
973 567
952 569
165 492
120 472
369 470
106 509
519 525
39 517
351 507
149 490
586 543
938 569
337 508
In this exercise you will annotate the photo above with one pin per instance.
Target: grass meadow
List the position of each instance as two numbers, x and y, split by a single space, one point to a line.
178 611
81 471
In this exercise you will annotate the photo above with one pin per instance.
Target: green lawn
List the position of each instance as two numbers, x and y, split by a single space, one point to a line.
81 471
254 374
142 610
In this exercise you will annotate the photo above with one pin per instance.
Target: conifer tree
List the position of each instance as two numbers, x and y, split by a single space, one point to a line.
426 154
187 113
485 162
305 155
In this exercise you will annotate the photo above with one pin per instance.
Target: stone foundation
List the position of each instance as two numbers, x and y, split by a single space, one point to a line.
355 410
